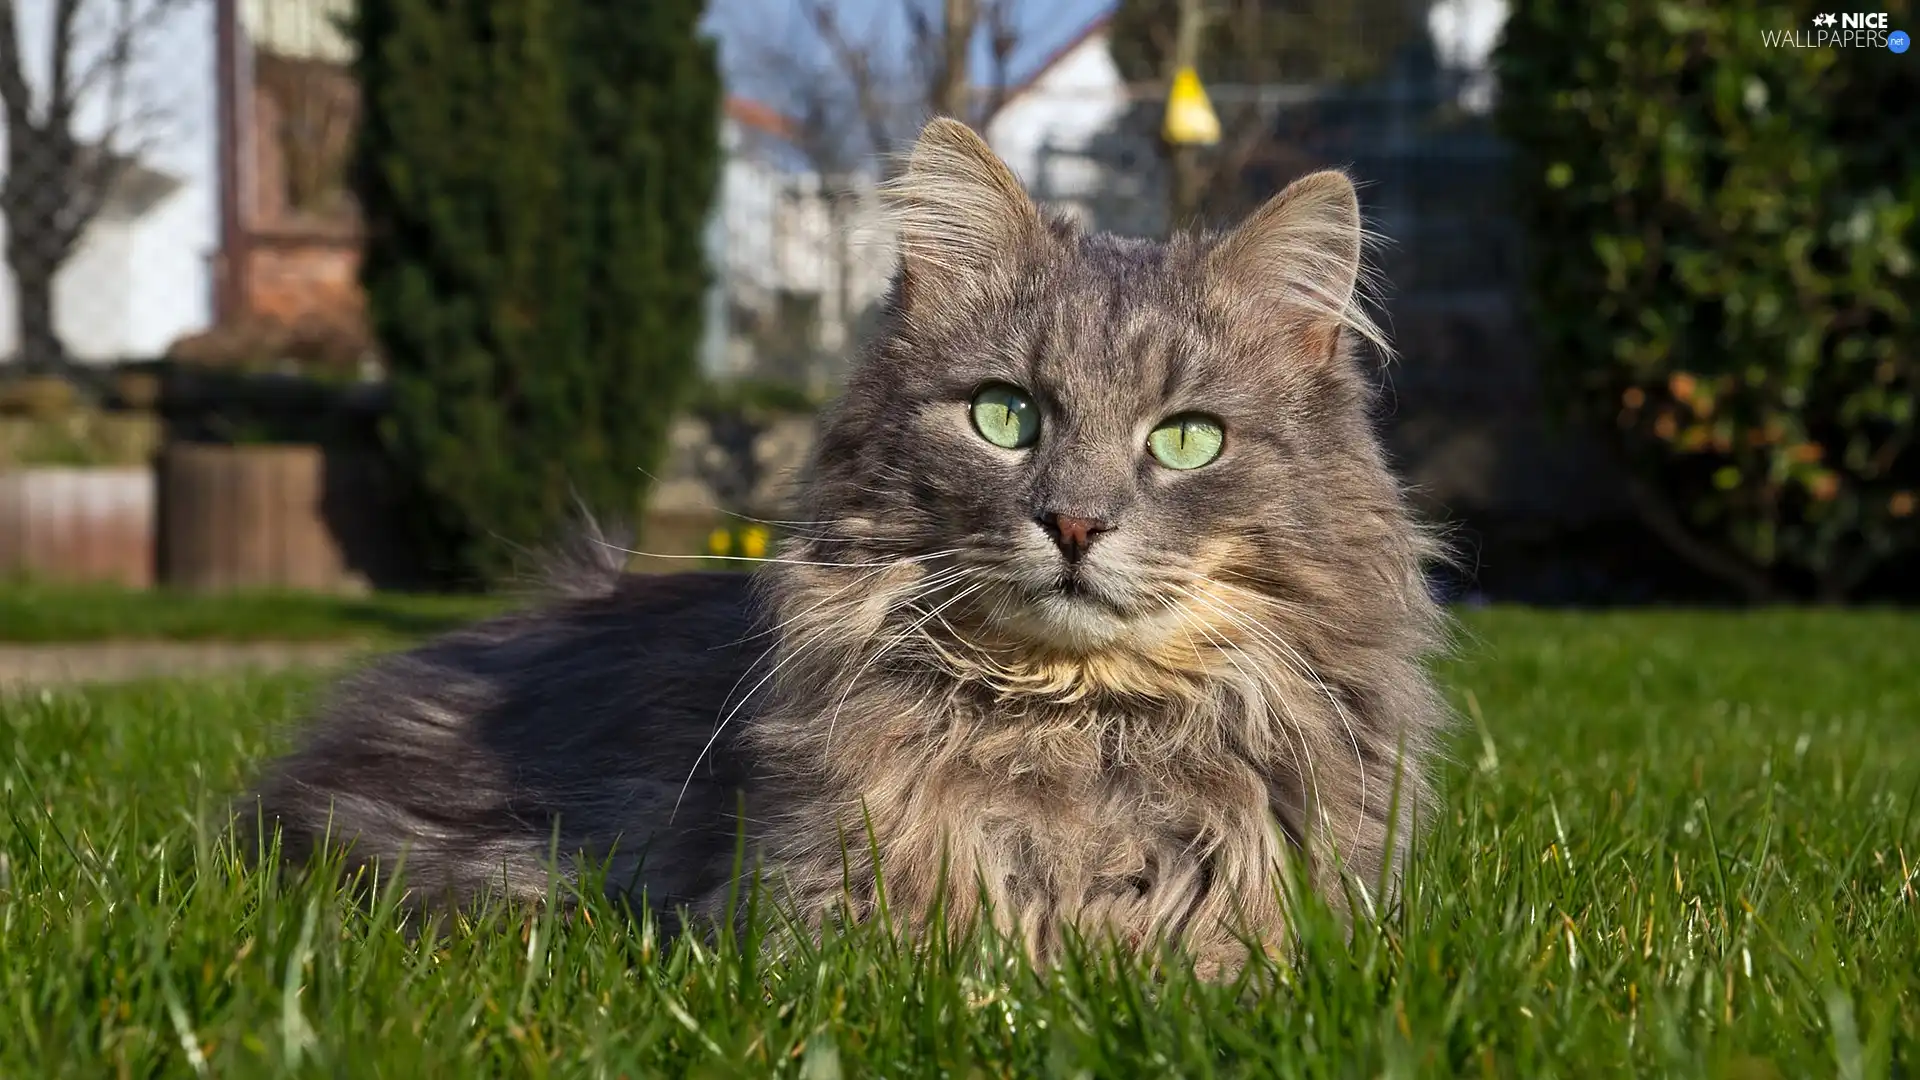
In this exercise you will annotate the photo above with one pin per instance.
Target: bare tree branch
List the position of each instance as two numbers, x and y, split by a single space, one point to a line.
863 75
58 179
116 58
14 91
59 96
883 79
1002 39
950 96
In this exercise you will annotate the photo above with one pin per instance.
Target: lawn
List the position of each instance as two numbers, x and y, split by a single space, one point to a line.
40 614
1675 844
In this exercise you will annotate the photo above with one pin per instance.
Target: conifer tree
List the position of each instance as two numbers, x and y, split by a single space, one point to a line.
536 177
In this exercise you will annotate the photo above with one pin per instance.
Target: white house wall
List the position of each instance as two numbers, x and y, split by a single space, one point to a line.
309 29
93 294
777 232
1074 100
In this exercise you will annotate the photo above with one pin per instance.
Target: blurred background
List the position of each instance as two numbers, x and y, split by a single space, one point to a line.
304 294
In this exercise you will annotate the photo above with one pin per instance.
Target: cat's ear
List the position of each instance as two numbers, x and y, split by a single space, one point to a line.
960 213
1298 262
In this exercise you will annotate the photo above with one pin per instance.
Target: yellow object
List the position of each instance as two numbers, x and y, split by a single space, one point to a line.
1190 117
719 541
753 542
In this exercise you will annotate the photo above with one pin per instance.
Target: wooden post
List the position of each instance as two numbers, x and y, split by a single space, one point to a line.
68 524
249 517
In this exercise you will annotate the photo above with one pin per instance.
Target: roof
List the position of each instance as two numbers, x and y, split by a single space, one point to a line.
1056 58
759 116
305 29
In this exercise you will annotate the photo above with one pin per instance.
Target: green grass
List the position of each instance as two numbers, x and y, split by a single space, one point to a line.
1674 844
39 614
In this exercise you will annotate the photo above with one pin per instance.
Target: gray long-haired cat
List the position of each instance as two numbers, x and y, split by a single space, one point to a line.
1105 609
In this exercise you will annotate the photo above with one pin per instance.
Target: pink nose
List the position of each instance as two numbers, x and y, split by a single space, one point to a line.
1073 535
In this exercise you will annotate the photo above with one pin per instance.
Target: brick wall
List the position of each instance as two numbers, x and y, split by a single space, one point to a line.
304 231
292 277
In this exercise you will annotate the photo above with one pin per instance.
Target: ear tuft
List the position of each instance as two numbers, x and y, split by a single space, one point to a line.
1300 256
960 212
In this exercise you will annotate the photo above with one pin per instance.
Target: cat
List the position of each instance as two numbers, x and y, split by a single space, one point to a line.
1103 612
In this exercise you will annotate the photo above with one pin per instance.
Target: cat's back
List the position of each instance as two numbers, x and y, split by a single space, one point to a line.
601 711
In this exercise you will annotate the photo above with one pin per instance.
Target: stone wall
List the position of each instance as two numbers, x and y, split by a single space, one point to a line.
733 463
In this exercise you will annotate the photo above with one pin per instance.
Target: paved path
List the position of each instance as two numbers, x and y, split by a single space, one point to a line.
28 666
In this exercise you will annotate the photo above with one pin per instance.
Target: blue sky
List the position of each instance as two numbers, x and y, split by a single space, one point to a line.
749 29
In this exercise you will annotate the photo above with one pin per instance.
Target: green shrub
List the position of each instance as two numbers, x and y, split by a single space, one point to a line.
536 177
1723 272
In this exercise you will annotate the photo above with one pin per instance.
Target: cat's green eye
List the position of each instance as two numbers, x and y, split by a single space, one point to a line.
1006 417
1187 441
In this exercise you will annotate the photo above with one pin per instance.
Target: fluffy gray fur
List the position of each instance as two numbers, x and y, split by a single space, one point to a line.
922 693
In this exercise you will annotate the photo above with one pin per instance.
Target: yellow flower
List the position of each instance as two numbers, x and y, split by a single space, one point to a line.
719 541
753 542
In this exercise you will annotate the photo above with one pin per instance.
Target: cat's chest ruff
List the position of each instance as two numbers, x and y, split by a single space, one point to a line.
1122 774
1088 810
1071 746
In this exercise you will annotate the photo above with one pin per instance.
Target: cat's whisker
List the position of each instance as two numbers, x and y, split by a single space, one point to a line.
799 651
1183 624
1305 667
857 580
758 660
885 647
1291 729
769 560
1292 608
960 638
1307 670
790 537
870 573
718 729
784 525
1299 664
858 528
749 669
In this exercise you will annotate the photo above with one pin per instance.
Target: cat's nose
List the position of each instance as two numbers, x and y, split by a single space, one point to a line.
1073 535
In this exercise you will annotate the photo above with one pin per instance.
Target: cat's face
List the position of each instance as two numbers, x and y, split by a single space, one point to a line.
1110 442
